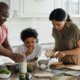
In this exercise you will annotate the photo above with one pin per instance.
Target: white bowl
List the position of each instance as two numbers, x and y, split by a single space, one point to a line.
43 66
5 75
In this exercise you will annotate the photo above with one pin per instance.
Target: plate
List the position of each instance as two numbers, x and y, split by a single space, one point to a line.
11 64
58 65
73 67
5 75
42 74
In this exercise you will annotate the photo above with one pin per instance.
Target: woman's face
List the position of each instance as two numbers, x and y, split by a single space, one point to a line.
59 25
30 42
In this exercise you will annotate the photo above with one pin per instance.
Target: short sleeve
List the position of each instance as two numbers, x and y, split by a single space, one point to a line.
6 30
76 32
78 35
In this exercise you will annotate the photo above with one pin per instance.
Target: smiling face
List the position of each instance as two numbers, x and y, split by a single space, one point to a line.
59 25
30 42
4 14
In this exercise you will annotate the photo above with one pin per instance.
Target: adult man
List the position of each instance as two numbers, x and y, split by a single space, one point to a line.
5 48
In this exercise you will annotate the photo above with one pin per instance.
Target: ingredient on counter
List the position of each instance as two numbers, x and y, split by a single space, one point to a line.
31 67
57 65
26 76
49 53
5 71
43 66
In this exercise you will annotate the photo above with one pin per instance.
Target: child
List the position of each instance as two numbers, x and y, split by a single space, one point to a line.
30 48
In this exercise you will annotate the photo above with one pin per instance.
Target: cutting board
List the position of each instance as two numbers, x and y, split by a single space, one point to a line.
42 74
73 67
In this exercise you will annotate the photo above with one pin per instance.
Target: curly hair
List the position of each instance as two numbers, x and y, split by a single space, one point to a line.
3 5
28 32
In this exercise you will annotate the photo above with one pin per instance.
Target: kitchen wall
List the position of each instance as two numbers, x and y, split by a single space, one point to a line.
32 13
42 25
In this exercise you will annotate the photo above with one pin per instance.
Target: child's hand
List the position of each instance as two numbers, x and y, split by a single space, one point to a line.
29 51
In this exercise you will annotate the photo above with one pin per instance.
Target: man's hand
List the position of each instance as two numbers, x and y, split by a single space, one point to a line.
60 54
17 57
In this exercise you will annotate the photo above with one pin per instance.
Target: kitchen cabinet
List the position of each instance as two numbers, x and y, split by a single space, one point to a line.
37 8
14 6
30 8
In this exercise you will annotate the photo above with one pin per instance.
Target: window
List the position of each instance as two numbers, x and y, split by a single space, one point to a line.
72 6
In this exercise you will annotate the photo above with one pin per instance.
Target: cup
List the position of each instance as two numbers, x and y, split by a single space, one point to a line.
49 53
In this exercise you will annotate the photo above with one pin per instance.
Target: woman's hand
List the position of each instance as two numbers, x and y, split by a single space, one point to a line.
60 54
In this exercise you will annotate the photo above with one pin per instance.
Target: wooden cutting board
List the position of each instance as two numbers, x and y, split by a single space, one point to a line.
73 67
43 74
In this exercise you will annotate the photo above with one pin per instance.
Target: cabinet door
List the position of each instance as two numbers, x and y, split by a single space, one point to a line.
37 8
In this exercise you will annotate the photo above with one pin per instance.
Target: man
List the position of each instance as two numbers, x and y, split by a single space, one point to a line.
5 48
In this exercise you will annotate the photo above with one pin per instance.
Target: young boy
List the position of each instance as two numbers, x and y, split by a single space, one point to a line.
30 48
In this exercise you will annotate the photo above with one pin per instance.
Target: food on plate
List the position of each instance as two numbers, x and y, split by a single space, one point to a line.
57 65
5 73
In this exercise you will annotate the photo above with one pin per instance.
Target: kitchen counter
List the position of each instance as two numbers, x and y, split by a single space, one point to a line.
61 74
56 76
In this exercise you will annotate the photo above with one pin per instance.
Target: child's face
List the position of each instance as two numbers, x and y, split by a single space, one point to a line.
30 42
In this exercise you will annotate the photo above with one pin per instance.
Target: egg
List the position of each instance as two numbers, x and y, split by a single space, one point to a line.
43 66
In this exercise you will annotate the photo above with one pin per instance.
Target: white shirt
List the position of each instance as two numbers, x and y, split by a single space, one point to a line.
36 52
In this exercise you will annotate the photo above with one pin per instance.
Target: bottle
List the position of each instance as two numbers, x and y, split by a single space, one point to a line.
23 69
23 66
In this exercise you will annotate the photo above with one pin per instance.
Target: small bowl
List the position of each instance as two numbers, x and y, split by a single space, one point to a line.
5 75
43 64
14 68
